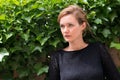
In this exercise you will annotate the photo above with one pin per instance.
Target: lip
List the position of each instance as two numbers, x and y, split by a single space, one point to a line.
67 36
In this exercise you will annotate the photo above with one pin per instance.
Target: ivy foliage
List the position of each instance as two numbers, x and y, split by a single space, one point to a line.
29 32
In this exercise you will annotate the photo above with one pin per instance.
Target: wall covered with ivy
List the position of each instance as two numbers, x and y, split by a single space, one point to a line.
29 32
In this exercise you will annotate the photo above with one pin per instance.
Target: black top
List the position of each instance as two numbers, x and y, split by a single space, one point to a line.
91 63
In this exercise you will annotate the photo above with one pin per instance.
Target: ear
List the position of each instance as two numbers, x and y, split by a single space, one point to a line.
83 26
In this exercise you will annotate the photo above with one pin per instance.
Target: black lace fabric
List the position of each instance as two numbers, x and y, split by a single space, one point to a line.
91 63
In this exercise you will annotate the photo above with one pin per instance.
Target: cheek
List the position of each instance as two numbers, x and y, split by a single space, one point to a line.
76 30
61 31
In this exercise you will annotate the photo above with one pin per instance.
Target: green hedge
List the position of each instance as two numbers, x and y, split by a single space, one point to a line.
29 32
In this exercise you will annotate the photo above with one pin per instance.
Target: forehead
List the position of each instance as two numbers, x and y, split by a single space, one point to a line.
68 19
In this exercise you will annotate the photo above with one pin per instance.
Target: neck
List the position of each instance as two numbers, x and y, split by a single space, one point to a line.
76 45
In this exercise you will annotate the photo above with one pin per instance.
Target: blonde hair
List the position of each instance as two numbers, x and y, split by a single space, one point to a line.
79 14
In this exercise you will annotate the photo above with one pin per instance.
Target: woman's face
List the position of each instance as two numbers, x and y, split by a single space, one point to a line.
70 28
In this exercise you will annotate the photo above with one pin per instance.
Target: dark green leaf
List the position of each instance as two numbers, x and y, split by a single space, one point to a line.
3 52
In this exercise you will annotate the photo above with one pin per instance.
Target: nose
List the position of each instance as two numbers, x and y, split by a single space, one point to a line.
66 30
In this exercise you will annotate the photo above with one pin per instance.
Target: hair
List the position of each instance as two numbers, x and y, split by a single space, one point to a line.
79 14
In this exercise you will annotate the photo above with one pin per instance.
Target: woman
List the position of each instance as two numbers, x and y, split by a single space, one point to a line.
80 60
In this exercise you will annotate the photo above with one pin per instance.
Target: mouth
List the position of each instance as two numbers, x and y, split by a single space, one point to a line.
67 36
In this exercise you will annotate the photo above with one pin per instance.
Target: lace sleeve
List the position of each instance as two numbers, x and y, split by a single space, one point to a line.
53 71
109 68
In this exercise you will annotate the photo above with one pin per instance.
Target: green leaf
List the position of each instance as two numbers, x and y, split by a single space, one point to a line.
18 28
25 2
109 9
1 38
92 14
106 32
98 21
37 48
26 35
54 43
113 16
23 73
118 1
3 52
43 70
8 35
28 19
16 48
16 2
34 6
115 45
2 17
44 40
56 1
19 12
83 1
38 15
37 67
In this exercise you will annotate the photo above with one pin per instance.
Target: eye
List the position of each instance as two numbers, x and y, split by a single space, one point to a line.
62 26
70 25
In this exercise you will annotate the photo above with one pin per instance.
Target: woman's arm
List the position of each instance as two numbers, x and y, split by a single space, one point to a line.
110 70
53 72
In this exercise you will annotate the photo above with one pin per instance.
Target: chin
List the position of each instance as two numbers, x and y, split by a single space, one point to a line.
68 40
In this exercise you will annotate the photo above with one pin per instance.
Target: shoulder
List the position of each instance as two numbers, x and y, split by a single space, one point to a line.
102 48
55 54
97 44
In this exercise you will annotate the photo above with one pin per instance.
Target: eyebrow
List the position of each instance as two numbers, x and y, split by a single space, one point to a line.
61 25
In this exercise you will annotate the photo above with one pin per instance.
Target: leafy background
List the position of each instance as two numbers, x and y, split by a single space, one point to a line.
29 32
